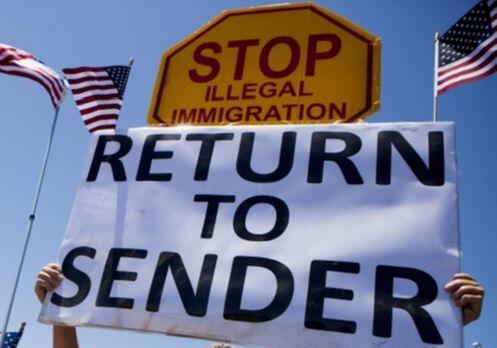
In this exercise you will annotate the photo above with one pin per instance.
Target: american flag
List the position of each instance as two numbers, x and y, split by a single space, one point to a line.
468 50
14 61
12 339
98 92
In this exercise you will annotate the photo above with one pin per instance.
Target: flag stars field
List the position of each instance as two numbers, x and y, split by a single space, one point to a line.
463 58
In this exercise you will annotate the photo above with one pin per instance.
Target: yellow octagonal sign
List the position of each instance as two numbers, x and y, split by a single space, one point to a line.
291 63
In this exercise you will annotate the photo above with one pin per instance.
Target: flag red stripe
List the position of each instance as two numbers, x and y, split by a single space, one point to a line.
58 81
11 57
484 50
14 52
101 118
77 91
20 63
88 79
97 97
62 85
461 82
82 69
53 83
469 71
34 78
107 126
99 107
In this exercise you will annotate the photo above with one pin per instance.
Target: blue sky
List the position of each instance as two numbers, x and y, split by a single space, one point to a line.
69 33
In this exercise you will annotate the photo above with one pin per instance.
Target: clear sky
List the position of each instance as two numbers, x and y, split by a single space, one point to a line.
72 33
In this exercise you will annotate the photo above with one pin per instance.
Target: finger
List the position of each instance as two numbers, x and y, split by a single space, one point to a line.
54 273
54 282
468 290
43 285
456 284
54 266
40 285
40 291
48 281
463 276
471 300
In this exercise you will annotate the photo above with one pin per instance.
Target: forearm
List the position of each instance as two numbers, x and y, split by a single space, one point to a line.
64 337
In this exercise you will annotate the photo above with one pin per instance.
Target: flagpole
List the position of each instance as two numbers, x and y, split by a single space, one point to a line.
435 73
130 64
31 220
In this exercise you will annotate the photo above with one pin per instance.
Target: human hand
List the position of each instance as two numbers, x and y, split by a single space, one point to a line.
47 280
467 294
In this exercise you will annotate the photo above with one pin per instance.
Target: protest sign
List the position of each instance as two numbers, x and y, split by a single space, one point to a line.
278 64
284 236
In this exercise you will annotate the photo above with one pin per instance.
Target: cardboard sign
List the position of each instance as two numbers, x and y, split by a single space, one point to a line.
281 236
291 63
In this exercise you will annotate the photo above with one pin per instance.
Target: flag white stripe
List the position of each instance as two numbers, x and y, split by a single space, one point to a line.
98 131
60 81
96 124
464 77
94 103
100 113
36 73
91 83
15 51
34 65
33 74
469 56
87 74
95 92
470 66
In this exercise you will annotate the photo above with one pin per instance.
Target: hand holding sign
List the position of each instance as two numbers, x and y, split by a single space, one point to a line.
467 294
49 279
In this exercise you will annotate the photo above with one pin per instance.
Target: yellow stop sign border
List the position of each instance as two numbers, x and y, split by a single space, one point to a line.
372 81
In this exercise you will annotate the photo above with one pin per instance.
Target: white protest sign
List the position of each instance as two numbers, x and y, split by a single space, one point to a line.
282 236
